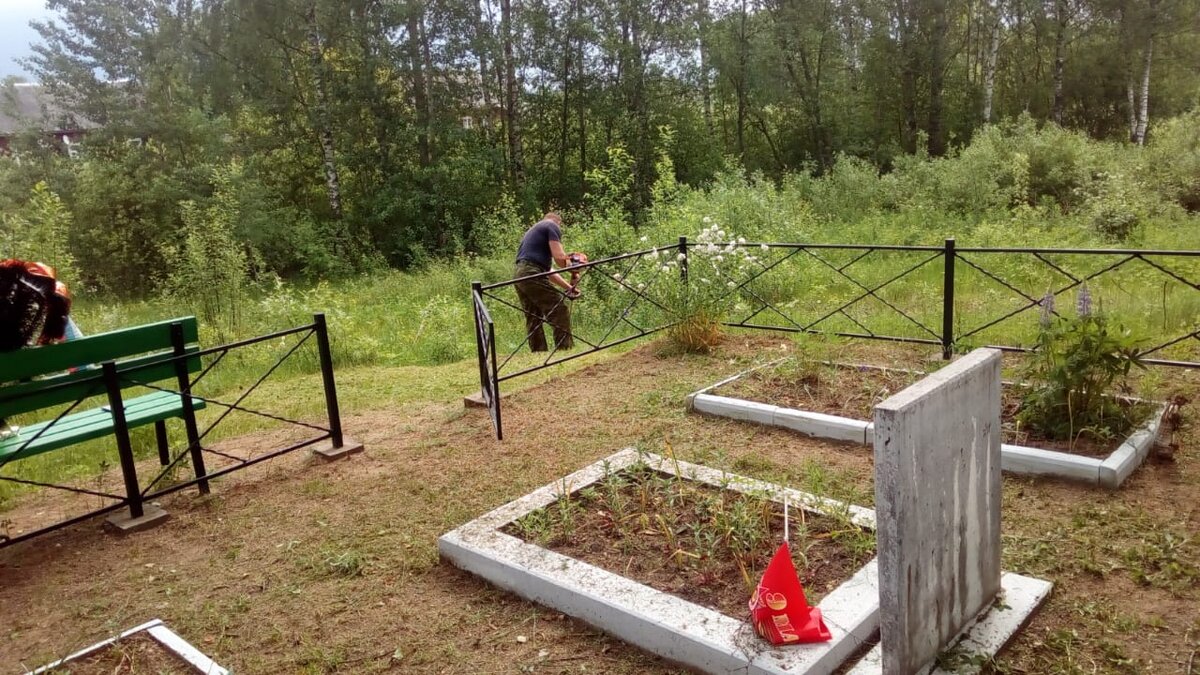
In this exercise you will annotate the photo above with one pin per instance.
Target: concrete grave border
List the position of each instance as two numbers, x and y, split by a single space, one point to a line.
663 624
1109 472
158 631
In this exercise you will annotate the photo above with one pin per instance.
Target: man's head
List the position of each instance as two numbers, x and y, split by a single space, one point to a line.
553 217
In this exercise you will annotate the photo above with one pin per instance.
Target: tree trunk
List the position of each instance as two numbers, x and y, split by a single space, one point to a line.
1060 58
565 118
937 78
705 76
512 113
740 83
989 64
1143 117
908 78
333 183
416 61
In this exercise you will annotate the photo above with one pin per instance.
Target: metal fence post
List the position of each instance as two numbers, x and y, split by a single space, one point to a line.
495 381
948 300
476 295
331 400
116 408
189 413
683 264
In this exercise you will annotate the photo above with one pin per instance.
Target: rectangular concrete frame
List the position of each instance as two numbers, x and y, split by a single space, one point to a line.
164 636
1109 472
677 630
937 496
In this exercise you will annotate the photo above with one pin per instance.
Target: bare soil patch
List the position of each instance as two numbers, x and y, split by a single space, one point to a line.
852 391
703 544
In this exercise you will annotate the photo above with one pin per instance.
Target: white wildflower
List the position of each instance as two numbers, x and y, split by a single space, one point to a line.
681 257
731 284
643 239
766 248
720 258
703 280
711 248
741 240
641 286
721 234
666 268
707 219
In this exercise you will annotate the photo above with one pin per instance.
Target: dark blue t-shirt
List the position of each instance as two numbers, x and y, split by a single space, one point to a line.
535 245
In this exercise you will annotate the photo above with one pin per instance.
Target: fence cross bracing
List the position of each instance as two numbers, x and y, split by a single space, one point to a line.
950 297
109 380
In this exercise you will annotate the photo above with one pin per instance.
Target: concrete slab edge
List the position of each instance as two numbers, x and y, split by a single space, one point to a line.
983 640
161 634
1121 464
1108 472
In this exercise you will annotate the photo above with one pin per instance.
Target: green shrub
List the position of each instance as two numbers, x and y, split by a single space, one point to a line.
1073 372
39 233
209 269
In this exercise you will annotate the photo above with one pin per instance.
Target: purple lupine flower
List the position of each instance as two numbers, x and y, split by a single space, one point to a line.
1047 304
1083 302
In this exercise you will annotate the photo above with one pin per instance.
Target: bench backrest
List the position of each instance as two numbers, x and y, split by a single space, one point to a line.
130 348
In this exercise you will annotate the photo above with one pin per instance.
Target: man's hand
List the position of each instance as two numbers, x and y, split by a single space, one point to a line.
574 293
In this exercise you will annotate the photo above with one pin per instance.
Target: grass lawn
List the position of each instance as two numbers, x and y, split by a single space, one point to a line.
300 566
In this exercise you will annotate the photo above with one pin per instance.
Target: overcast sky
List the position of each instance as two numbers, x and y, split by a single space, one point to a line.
15 33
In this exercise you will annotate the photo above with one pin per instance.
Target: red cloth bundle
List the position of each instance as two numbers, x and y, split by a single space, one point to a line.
778 608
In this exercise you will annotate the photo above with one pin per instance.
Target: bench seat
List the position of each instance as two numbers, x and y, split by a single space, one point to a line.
91 424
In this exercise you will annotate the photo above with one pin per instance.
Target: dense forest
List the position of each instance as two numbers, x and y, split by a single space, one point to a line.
320 137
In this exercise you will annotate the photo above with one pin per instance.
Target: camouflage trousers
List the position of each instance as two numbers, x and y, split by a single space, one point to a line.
543 303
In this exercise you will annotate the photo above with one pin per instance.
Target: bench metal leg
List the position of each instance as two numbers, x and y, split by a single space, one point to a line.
160 435
189 414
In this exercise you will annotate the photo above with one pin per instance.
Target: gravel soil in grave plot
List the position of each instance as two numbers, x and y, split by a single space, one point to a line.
852 391
138 654
703 544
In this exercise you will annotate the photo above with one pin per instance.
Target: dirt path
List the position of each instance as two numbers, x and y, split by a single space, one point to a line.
298 566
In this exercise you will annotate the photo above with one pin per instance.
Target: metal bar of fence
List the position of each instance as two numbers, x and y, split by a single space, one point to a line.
948 300
572 357
9 541
331 400
244 463
844 247
586 265
1082 251
864 336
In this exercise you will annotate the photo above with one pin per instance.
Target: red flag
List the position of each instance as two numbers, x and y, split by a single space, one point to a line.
778 608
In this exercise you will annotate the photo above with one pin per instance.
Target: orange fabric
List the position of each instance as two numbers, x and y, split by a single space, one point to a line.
778 608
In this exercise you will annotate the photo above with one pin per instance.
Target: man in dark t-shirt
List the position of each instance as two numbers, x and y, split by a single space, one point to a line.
541 249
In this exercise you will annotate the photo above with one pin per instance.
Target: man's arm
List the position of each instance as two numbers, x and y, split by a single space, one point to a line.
559 254
562 260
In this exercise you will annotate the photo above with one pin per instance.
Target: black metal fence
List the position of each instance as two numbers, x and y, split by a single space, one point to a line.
949 297
111 379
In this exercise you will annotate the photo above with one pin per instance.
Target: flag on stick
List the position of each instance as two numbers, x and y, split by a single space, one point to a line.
780 612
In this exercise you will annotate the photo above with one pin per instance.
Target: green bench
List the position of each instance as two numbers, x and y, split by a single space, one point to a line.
37 378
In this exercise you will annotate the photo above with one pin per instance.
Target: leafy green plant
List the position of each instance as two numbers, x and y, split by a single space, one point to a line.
1078 362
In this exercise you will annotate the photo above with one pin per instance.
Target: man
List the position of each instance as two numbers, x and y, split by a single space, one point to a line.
541 247
34 309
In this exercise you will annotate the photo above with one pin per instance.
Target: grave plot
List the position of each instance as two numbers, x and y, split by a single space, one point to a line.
834 401
610 555
148 648
653 596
